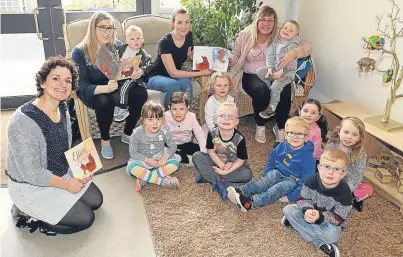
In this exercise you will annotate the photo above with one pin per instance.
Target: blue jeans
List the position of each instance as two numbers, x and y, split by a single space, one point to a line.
269 188
169 86
314 233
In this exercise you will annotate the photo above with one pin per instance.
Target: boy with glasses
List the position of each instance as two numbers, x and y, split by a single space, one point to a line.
225 160
324 205
289 164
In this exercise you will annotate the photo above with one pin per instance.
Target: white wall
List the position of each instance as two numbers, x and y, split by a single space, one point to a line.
335 28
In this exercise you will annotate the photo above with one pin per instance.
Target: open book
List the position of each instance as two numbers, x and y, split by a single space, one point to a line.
83 159
113 68
213 58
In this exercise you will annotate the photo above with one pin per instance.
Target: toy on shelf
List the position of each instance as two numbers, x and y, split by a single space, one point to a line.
383 175
399 185
384 157
373 164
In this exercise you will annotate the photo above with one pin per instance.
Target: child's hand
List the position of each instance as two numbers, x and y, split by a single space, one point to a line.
311 216
284 199
163 160
228 166
278 74
137 73
269 73
152 162
219 171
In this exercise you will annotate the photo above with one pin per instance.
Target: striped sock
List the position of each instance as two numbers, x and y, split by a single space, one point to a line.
150 176
170 167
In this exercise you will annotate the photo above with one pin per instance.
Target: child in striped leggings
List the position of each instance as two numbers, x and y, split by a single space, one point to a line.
151 149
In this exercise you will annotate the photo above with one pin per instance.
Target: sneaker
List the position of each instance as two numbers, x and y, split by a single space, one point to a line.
260 134
233 194
120 114
107 152
236 196
266 114
285 222
280 136
275 129
171 182
221 187
139 184
177 157
330 250
201 180
125 139
190 164
358 205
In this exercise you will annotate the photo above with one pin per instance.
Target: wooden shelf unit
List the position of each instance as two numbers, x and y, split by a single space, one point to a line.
375 140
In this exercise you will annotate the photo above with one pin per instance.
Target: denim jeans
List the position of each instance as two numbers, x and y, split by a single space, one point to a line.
169 86
314 233
269 188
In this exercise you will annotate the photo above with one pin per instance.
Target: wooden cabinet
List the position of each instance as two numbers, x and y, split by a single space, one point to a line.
375 140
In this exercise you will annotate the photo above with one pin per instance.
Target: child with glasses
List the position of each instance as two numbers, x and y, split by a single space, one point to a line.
272 75
349 137
324 205
133 46
225 160
289 164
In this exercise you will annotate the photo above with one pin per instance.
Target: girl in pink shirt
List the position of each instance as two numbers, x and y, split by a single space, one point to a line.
311 111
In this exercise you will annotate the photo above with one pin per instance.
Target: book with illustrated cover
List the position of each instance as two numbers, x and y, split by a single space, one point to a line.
113 68
213 58
83 159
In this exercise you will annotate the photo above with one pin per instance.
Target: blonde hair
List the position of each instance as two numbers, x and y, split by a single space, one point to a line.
151 109
213 79
357 150
229 106
334 154
90 45
133 28
264 11
293 22
297 121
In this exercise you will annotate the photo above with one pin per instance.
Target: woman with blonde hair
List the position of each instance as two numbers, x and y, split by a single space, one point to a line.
95 89
249 53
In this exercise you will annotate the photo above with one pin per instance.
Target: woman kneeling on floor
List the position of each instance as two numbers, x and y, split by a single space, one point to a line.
44 193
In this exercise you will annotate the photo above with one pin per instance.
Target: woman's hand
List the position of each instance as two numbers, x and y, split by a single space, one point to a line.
287 58
137 73
190 53
112 86
75 185
206 72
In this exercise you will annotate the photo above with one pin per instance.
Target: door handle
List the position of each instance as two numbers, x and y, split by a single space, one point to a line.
36 11
64 17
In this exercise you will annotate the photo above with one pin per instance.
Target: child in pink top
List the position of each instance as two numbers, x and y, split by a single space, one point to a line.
183 124
311 111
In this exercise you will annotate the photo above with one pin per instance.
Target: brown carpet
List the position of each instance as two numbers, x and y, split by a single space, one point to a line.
194 221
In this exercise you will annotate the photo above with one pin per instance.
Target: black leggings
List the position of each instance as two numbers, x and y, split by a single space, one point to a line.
81 215
260 94
104 105
187 149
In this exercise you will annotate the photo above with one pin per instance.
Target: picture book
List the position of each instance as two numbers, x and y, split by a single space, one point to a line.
83 159
113 68
213 58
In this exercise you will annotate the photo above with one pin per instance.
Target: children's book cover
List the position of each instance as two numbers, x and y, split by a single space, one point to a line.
113 68
83 159
214 58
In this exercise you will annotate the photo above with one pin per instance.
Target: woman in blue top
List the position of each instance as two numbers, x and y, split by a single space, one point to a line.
173 50
95 89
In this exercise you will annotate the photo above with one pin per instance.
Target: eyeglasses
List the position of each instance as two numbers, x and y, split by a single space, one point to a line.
227 116
105 29
326 167
296 135
264 21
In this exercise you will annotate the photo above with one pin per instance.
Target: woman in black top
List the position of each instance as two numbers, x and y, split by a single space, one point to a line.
173 50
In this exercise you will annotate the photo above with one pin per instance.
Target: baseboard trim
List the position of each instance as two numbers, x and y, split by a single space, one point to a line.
13 102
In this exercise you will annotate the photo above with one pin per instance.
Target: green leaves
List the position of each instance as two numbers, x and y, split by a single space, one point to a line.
216 22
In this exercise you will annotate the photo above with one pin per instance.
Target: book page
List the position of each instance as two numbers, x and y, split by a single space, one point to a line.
107 62
202 58
220 59
83 159
127 66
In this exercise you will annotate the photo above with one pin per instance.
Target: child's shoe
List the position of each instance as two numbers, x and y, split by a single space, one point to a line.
139 184
330 250
171 182
190 164
236 196
177 157
285 222
260 135
200 179
221 187
120 114
280 136
358 205
268 113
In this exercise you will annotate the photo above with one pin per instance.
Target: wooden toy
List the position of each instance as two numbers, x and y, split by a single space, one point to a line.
373 164
383 175
384 157
399 185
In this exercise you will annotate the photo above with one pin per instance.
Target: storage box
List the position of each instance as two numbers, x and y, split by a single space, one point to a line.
383 175
399 185
385 157
373 164
397 160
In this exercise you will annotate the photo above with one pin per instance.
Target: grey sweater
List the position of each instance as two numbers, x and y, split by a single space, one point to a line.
144 146
355 170
28 143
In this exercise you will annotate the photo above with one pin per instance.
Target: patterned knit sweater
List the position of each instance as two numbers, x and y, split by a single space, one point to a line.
333 204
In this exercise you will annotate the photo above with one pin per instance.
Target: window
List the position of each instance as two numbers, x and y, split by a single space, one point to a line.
170 4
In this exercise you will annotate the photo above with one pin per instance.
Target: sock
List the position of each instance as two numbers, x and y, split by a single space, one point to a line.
138 171
170 167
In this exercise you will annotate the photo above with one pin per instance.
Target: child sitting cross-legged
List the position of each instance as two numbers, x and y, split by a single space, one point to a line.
226 156
324 205
289 164
183 124
151 150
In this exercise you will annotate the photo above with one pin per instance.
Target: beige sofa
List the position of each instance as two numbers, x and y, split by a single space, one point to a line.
154 27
